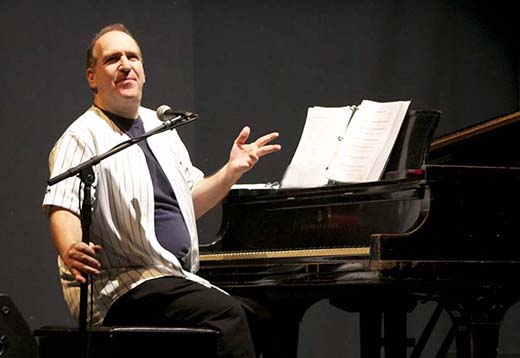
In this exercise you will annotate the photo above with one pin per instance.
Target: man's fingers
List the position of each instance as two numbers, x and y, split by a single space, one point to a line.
77 274
263 140
243 136
85 259
81 258
266 149
86 265
244 156
89 249
86 254
95 247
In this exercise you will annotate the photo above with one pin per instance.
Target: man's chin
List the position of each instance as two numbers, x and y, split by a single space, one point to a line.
130 96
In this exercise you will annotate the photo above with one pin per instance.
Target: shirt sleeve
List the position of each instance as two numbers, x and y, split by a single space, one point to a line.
68 152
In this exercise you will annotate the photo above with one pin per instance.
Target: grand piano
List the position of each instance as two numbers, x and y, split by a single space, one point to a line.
441 225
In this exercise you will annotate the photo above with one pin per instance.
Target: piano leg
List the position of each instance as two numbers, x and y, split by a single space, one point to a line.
477 318
283 337
275 326
477 340
370 333
382 323
395 340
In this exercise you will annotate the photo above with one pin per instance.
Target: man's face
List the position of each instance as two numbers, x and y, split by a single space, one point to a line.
118 75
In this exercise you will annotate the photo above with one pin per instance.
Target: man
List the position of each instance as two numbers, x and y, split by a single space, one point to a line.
143 249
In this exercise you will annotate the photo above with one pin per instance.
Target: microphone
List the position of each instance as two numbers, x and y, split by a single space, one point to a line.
165 113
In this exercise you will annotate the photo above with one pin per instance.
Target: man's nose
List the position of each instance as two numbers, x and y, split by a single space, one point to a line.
125 63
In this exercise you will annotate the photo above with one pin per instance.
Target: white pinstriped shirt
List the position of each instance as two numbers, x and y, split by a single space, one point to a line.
123 206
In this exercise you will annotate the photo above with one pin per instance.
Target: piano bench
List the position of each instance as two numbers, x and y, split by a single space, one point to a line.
128 342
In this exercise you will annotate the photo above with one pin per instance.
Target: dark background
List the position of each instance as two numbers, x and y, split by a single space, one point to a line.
260 63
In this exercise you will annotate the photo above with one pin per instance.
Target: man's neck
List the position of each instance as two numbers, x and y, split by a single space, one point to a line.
130 111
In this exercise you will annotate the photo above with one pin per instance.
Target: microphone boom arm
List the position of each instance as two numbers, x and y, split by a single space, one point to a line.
169 124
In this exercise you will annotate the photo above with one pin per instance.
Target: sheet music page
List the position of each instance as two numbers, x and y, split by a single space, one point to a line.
318 143
364 152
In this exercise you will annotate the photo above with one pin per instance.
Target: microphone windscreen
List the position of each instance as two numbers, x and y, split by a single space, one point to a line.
161 112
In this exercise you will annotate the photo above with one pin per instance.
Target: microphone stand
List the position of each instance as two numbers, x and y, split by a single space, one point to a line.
87 177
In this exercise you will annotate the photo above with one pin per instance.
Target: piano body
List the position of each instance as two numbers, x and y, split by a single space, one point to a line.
440 226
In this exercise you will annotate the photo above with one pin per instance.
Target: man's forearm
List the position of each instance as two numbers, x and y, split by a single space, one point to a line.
211 190
65 229
66 234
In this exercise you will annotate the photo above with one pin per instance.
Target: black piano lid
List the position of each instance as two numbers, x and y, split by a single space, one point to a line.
489 143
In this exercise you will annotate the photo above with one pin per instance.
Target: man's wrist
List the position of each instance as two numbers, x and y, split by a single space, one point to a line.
230 175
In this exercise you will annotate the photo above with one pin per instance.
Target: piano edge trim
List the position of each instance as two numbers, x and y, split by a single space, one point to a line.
344 251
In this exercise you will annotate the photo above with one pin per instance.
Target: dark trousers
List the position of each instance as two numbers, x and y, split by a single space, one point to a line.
174 301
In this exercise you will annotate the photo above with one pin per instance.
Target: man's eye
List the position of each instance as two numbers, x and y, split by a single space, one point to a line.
112 59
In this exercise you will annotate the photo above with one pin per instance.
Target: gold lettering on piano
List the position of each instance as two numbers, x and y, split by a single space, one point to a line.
318 226
320 222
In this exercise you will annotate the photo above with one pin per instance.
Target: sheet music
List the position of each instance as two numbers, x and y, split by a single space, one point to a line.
370 137
323 128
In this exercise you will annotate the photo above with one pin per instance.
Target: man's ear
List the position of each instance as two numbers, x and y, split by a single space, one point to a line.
91 78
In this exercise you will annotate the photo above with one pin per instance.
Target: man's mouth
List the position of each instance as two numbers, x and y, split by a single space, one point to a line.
125 80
